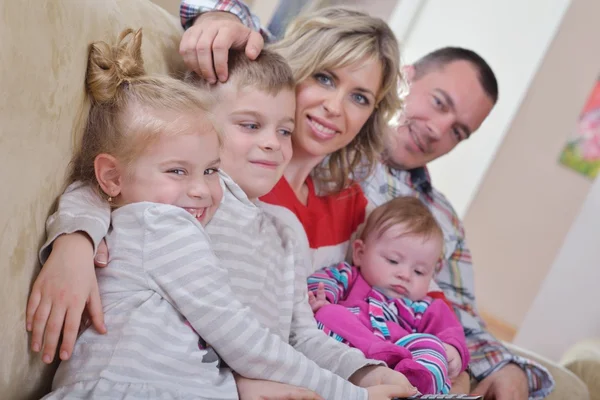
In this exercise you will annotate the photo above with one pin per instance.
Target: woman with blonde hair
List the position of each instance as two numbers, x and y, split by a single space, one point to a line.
346 64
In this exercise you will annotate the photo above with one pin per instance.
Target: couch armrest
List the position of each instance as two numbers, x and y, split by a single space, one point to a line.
583 359
568 385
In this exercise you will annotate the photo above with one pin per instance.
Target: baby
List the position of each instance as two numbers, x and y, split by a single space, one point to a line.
380 305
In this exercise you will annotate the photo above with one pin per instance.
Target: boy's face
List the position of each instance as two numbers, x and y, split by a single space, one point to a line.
396 263
257 129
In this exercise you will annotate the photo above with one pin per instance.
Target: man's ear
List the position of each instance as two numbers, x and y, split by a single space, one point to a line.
408 71
108 174
358 249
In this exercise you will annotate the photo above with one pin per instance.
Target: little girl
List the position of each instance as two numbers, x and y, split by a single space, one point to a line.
381 304
151 152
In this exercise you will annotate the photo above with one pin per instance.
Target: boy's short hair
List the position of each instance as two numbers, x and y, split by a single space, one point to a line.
269 73
408 211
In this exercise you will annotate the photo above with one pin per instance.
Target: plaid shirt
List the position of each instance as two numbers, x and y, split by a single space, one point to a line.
190 9
456 274
455 277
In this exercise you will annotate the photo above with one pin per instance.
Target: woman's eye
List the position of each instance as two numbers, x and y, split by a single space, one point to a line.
361 99
211 171
323 79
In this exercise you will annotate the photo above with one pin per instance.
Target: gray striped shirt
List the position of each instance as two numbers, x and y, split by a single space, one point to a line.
248 304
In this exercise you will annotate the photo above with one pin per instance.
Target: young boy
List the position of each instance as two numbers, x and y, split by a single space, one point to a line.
381 303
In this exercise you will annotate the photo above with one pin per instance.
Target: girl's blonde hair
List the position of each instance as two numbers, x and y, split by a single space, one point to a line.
129 109
332 38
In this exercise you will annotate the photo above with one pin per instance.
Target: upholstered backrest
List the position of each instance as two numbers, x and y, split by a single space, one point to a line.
43 55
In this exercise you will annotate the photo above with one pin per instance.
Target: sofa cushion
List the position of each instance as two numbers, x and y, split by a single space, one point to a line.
42 70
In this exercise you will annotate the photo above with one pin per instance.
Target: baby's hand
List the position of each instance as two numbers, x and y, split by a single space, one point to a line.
318 301
454 361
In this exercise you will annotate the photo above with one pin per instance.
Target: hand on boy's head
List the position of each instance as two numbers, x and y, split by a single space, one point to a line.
205 45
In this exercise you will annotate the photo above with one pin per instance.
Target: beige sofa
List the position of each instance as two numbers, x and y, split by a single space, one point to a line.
43 46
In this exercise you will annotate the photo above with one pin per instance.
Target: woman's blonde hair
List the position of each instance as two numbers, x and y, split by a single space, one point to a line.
129 109
332 38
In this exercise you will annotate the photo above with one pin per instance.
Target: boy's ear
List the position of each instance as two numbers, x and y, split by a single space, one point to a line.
108 174
409 72
358 249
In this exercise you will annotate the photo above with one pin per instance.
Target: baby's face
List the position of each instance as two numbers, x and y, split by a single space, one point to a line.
398 264
257 128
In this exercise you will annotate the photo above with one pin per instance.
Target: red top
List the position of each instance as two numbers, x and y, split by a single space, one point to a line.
328 220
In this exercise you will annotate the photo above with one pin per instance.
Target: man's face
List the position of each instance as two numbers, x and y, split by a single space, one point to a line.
444 107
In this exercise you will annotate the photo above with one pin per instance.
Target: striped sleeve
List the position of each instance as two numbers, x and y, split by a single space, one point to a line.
336 280
182 268
80 209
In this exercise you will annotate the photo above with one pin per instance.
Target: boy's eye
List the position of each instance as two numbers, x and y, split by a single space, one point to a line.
211 171
285 132
177 171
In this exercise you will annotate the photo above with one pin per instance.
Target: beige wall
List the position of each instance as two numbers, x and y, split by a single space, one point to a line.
263 8
526 203
172 6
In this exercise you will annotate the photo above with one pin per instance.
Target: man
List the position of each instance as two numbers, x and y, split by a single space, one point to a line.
452 91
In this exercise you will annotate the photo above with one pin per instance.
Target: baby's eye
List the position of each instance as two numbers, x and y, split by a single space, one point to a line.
393 262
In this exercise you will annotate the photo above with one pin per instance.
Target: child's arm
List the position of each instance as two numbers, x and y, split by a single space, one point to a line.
439 320
183 269
304 334
335 280
67 283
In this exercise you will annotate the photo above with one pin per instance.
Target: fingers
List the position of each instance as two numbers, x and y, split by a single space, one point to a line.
95 311
321 292
70 332
187 48
220 52
255 45
393 391
39 325
482 388
101 258
53 330
32 305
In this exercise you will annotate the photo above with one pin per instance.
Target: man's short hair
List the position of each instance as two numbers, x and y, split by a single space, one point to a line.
444 56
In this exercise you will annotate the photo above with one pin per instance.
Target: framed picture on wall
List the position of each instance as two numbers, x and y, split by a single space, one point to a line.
582 151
